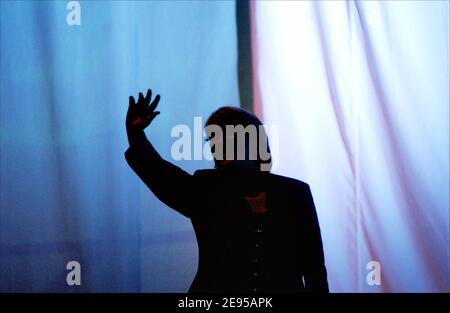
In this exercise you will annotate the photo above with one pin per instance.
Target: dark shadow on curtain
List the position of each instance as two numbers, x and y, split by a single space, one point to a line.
245 73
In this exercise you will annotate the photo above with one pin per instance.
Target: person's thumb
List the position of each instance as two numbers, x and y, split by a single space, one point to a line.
149 118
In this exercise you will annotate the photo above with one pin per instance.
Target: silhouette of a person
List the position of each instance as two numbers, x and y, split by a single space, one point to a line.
256 231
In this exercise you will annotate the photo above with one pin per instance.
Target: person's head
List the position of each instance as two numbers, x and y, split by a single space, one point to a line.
238 140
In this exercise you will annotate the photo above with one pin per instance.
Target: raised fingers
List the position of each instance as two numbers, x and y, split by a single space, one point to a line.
131 104
154 104
148 97
141 101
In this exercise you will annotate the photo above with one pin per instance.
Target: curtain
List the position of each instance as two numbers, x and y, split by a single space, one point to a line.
66 192
359 92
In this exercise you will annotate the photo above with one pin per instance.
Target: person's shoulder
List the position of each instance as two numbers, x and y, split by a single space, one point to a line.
275 180
205 173
293 192
288 182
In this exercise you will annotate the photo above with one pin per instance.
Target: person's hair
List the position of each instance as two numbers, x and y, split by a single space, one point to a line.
234 116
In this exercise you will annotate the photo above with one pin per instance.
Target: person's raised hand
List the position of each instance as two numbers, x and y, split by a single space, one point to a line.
142 113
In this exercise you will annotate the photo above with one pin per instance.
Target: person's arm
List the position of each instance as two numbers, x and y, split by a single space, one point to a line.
314 271
168 182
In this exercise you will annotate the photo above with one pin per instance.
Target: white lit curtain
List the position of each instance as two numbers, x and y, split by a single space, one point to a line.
360 93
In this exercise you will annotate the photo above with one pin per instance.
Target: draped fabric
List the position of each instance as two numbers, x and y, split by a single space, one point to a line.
66 191
359 91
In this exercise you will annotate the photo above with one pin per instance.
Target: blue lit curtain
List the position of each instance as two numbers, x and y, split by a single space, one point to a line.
360 93
66 192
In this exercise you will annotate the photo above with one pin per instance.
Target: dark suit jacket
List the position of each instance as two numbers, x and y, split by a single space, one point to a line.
279 250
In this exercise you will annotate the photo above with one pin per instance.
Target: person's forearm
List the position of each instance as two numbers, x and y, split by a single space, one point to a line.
136 138
141 147
168 182
162 177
